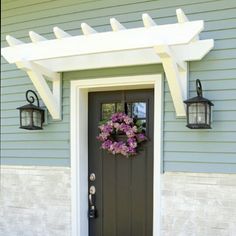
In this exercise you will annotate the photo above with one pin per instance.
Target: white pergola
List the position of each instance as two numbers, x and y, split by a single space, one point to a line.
173 45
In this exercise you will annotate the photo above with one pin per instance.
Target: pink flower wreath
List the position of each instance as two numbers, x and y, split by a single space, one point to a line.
121 124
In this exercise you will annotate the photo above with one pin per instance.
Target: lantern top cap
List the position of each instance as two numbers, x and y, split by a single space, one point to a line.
198 99
29 107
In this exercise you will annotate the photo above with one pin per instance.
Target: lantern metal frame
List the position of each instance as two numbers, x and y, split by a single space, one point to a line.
31 108
199 100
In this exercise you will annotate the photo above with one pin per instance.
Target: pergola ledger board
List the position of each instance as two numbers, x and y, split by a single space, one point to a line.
189 52
173 45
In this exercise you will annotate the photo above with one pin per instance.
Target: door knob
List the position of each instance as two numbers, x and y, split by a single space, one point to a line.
92 213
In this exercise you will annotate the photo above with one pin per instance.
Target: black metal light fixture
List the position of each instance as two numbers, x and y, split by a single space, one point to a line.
31 116
199 110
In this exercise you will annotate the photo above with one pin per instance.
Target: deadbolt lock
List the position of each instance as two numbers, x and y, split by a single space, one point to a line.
92 177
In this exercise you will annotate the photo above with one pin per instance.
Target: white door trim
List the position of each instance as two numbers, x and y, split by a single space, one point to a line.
79 142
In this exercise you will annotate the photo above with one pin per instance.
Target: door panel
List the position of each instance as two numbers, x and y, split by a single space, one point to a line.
124 186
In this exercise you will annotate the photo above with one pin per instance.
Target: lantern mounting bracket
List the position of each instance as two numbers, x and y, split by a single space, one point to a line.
172 45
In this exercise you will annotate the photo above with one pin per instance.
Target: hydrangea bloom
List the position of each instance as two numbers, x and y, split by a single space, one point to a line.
120 123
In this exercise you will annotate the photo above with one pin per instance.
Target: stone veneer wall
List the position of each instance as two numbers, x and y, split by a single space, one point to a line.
197 204
35 201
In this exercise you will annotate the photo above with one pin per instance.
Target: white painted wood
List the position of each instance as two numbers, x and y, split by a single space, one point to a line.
79 145
148 21
174 44
79 161
183 81
57 94
182 18
188 52
35 38
50 75
116 25
158 152
173 77
50 101
60 34
192 52
132 39
27 66
87 30
13 41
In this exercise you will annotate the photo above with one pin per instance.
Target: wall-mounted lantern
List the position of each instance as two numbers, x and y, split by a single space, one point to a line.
199 110
31 116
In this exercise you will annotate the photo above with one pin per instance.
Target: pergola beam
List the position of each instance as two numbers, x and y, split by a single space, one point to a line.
105 42
173 45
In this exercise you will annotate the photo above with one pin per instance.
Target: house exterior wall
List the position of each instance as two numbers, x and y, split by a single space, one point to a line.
35 174
184 150
35 201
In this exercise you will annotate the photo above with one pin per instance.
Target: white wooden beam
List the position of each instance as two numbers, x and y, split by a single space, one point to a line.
50 98
60 34
87 30
116 25
57 94
50 75
193 51
189 52
148 21
35 38
13 41
27 66
173 76
182 18
130 39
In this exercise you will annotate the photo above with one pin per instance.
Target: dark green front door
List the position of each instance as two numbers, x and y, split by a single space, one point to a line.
124 186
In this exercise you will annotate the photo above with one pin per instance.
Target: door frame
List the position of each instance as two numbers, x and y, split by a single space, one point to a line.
79 142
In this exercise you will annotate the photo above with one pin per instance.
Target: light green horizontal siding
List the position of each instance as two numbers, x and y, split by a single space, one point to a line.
184 149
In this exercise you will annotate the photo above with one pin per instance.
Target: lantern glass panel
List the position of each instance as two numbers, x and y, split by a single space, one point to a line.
26 118
201 113
193 113
208 108
37 118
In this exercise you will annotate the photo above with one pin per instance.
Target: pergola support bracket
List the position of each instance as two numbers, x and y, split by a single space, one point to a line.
51 98
176 74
